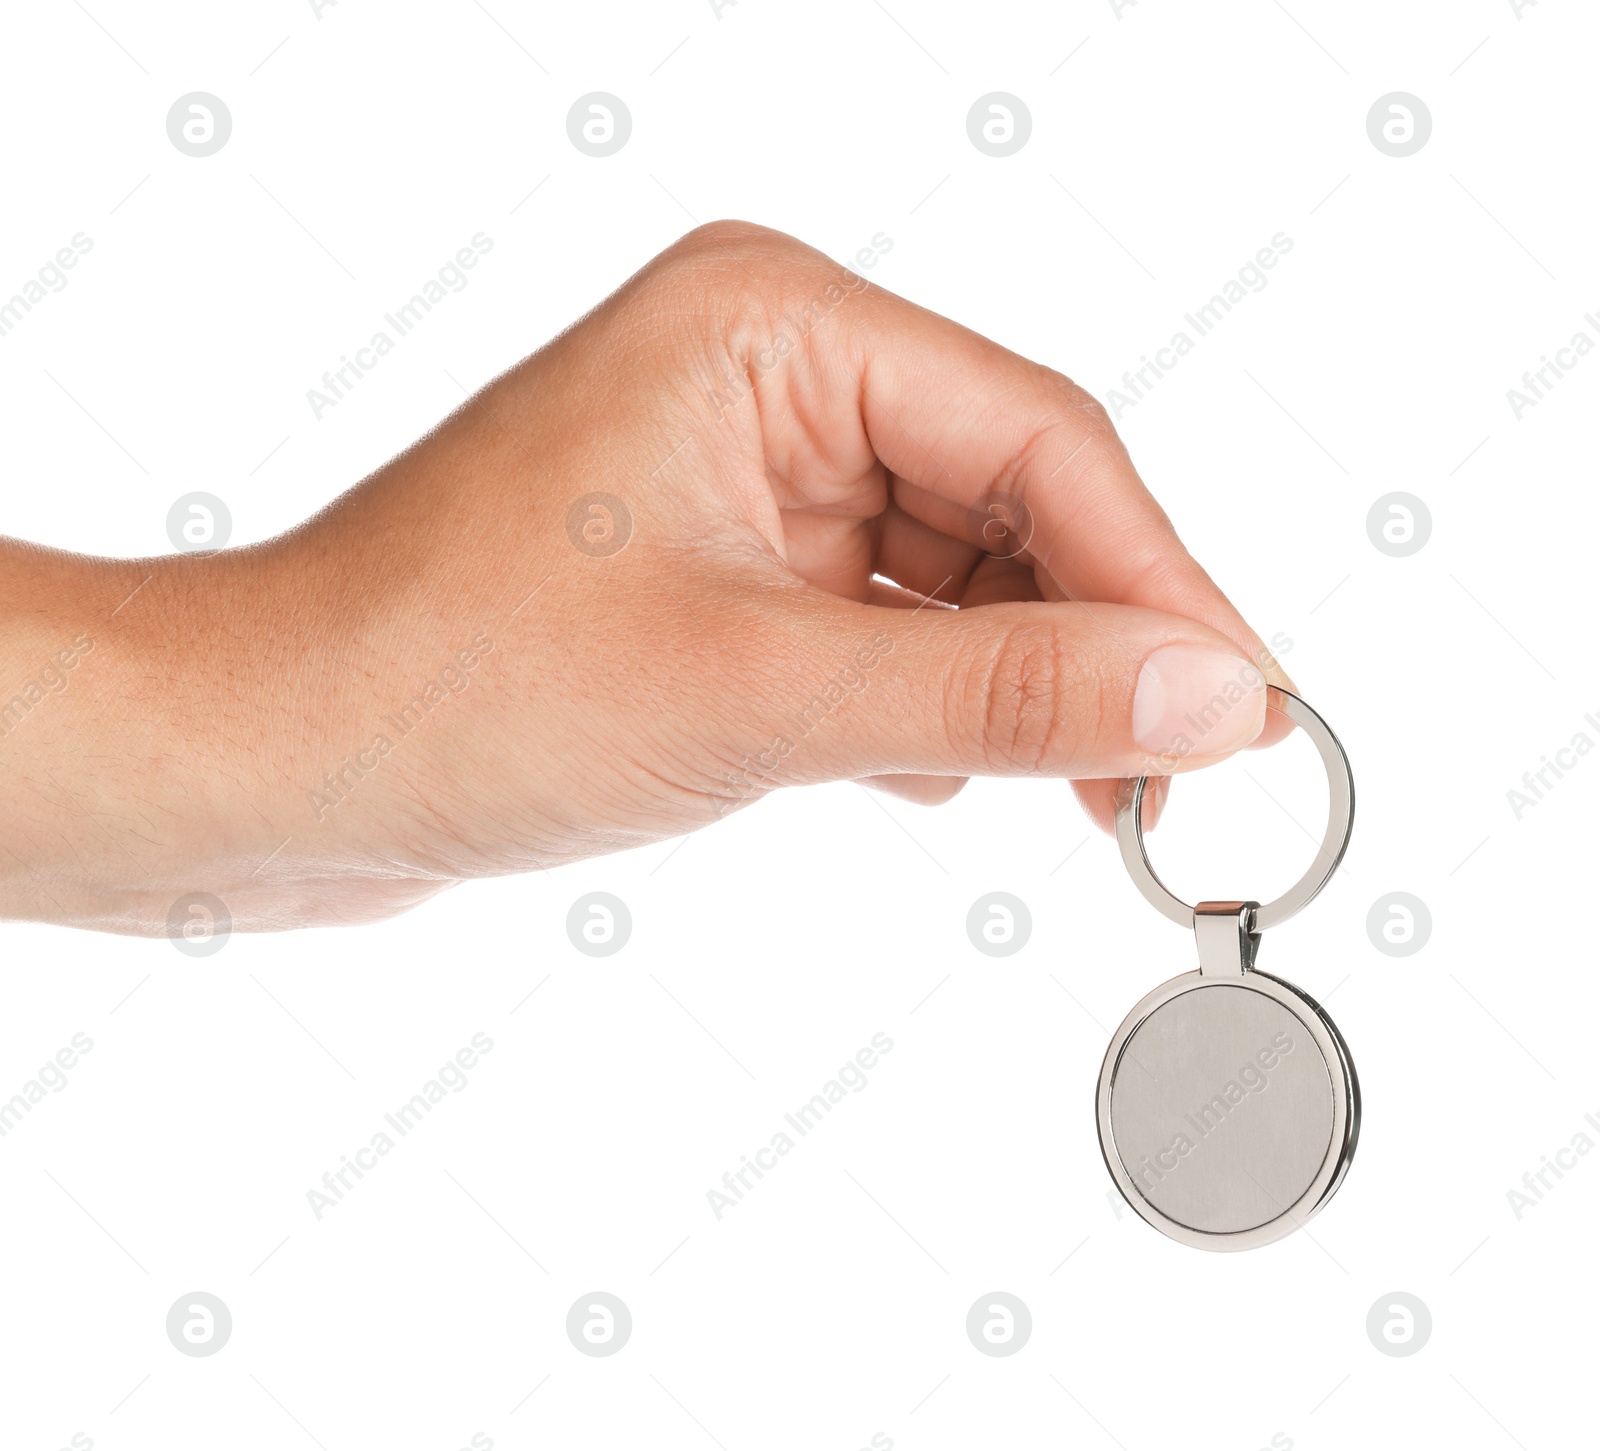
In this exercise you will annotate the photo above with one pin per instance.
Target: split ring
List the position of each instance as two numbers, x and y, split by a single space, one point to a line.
1341 816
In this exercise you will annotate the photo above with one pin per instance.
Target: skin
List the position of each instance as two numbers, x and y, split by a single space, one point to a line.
780 433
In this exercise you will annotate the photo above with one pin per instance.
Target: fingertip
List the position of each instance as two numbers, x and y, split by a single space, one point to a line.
1099 801
1277 727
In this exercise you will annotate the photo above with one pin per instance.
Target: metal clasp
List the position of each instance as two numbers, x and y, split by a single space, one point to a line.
1225 934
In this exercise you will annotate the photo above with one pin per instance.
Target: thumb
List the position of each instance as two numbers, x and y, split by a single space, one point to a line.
1071 689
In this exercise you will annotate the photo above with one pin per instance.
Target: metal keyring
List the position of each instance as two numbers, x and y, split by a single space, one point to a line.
1341 815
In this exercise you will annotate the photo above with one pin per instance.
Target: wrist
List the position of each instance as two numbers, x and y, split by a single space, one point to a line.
134 721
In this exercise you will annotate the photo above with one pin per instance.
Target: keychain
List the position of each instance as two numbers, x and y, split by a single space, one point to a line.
1228 1105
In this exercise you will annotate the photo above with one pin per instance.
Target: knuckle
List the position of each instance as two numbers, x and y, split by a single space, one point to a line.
730 235
732 255
1072 399
1083 425
740 269
1076 441
1023 692
1091 410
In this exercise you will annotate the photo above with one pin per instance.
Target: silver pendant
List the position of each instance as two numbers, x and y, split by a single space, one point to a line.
1228 1106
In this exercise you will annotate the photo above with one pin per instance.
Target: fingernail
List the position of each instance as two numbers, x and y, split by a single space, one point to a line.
1195 701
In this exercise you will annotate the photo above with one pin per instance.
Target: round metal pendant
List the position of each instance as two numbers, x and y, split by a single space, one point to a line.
1228 1109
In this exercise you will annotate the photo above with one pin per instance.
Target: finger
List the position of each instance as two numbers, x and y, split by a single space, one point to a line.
999 581
1080 512
1098 799
1006 689
956 418
922 558
868 377
831 551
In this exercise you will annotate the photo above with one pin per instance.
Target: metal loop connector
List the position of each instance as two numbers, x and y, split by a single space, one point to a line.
1226 936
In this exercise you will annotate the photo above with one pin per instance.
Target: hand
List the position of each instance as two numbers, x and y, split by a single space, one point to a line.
631 586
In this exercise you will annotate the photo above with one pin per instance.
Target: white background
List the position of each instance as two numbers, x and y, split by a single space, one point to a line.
372 142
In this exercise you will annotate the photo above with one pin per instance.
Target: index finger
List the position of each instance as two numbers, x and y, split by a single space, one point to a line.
877 392
964 424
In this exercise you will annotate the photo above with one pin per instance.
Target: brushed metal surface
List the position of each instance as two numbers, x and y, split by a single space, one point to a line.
1222 1109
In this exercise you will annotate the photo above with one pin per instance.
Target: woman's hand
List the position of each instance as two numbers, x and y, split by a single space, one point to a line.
633 585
